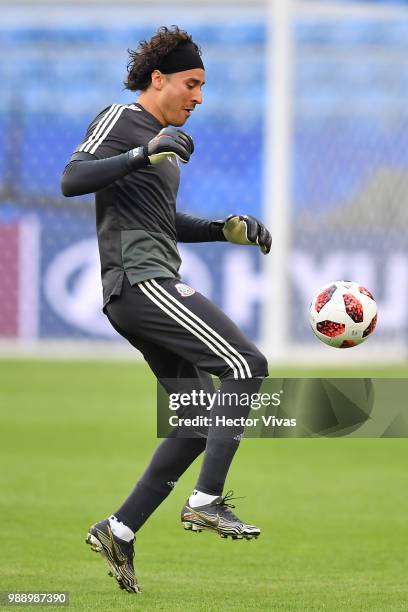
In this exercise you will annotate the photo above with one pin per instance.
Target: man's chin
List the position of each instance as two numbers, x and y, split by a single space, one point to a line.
178 121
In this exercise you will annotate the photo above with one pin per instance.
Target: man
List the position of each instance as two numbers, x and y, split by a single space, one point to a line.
129 157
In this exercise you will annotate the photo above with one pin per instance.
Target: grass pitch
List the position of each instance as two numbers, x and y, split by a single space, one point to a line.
76 436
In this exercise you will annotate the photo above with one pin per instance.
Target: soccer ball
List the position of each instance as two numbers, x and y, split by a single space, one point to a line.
343 314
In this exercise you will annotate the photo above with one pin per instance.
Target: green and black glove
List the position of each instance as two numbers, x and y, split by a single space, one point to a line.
245 229
169 141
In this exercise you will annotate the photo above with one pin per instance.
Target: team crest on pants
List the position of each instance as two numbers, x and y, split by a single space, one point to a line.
184 290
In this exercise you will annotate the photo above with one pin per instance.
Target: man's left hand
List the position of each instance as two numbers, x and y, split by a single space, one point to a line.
245 229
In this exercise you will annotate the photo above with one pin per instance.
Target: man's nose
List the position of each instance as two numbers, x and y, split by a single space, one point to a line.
198 97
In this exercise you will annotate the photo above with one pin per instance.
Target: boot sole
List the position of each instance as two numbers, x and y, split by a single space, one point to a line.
97 547
188 526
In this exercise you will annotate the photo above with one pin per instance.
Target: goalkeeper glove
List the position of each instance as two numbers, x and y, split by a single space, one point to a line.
170 141
245 229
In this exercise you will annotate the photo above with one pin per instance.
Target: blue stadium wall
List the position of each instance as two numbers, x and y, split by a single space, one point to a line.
350 135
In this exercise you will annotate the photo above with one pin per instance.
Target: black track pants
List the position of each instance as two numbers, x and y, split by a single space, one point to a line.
182 335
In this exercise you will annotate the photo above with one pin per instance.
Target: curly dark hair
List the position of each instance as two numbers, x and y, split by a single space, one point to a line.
150 53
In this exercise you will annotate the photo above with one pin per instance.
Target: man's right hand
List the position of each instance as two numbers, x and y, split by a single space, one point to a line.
170 141
85 174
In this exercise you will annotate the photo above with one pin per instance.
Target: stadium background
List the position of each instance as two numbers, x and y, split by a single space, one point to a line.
306 128
314 141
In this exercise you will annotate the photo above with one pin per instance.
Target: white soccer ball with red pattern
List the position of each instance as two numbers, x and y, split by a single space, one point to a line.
343 314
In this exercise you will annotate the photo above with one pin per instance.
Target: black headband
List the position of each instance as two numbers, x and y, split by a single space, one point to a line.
183 57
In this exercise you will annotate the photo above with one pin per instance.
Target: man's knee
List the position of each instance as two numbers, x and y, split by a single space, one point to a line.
258 365
249 363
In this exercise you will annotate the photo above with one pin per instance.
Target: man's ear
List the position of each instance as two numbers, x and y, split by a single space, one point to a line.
158 79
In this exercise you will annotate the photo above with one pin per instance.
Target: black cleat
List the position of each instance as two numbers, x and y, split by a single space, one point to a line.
218 517
118 554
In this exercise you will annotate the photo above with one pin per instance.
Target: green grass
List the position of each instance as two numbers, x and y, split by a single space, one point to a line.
74 438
